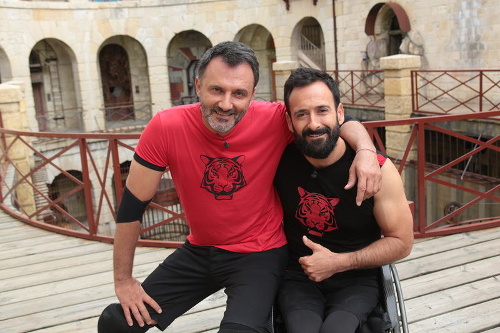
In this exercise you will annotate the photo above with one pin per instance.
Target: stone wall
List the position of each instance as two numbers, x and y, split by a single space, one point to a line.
457 34
13 113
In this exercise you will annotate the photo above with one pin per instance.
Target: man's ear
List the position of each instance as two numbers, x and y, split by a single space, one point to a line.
197 85
289 121
340 114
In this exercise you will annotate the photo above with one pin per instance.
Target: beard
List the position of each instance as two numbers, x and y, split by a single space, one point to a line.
317 148
220 124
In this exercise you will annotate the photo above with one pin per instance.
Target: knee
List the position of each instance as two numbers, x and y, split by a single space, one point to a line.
235 328
340 321
112 320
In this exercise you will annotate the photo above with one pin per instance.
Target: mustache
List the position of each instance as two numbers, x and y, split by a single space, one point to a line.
217 109
319 131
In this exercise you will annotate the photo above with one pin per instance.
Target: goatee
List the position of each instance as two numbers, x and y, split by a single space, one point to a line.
220 124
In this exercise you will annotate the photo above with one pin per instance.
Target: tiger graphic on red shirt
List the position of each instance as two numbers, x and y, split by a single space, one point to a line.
223 176
316 212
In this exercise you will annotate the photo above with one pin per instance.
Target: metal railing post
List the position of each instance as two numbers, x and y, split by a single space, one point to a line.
87 188
481 92
116 169
421 209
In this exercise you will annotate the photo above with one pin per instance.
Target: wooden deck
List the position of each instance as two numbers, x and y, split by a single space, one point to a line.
53 283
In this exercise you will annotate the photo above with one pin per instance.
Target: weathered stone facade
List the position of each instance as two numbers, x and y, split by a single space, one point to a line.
458 34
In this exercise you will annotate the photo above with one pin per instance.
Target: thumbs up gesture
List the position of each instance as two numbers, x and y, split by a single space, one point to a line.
321 264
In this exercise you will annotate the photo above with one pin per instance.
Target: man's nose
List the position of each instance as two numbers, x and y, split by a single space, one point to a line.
226 103
314 122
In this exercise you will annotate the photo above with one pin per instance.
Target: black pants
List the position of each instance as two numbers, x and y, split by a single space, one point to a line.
347 298
192 273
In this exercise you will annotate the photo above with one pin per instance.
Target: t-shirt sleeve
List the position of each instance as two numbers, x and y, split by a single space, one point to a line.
381 158
151 150
348 118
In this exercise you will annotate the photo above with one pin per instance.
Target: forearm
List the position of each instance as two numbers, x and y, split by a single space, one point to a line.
356 135
141 185
382 252
126 237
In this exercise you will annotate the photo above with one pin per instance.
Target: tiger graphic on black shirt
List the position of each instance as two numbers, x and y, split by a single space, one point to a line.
316 212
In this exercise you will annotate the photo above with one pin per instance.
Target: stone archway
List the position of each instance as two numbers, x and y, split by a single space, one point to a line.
387 25
262 42
116 83
182 56
5 70
125 82
71 204
308 41
55 86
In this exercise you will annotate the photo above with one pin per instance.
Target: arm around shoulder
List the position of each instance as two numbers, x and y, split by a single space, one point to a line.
365 170
356 135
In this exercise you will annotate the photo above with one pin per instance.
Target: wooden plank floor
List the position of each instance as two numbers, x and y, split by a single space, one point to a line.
53 283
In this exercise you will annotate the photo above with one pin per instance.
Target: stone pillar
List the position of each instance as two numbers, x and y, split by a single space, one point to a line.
14 117
282 71
398 100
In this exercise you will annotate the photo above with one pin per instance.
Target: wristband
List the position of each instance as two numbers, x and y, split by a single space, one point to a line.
360 149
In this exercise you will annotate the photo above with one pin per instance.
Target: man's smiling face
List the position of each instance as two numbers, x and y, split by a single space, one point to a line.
314 119
225 94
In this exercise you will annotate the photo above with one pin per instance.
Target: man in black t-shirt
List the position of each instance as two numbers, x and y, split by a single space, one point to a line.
335 246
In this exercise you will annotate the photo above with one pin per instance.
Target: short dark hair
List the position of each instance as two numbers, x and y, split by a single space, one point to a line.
302 77
233 54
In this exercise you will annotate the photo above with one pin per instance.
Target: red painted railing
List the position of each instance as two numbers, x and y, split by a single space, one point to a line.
101 157
361 88
455 91
426 184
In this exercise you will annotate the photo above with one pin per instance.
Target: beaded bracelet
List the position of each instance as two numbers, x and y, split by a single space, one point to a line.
360 149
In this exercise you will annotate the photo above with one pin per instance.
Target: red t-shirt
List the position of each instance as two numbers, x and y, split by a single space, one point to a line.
227 193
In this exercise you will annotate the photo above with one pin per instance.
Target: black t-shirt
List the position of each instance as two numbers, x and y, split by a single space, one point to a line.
316 204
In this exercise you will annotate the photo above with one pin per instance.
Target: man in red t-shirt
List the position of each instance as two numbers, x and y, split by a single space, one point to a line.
222 154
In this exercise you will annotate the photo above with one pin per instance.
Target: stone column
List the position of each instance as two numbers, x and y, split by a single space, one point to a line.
398 100
14 117
282 71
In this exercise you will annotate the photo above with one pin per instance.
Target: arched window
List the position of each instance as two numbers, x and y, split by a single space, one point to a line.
116 83
387 24
69 201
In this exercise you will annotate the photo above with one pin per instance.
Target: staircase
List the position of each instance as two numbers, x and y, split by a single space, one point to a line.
310 55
